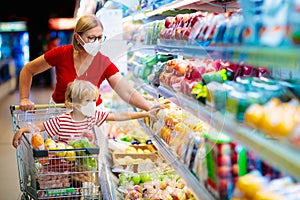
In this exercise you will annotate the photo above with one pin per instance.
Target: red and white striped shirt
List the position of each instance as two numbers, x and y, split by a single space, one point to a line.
64 128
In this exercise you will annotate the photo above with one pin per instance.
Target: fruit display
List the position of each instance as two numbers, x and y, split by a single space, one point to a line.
154 185
177 128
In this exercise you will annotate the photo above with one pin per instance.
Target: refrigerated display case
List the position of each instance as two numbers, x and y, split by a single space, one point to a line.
283 63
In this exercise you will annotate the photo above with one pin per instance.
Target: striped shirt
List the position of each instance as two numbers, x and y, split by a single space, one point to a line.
63 127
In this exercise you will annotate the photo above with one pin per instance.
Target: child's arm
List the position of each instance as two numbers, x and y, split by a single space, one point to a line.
122 116
17 136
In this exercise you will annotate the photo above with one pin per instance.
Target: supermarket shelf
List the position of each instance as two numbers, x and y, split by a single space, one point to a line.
160 10
278 153
271 57
146 87
191 181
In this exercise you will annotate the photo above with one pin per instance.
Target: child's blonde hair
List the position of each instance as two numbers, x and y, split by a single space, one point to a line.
78 90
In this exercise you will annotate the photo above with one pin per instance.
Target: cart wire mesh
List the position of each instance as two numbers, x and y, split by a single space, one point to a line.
70 173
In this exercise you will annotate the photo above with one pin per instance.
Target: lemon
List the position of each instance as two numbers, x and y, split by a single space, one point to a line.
50 144
60 146
70 155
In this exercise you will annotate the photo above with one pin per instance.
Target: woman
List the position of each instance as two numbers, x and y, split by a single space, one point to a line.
80 60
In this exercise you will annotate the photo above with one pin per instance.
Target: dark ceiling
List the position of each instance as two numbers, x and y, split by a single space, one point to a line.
12 10
36 14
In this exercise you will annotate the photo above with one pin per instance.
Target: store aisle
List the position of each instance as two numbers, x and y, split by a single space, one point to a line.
9 181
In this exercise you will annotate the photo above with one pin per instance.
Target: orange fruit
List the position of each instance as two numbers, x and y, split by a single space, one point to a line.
37 140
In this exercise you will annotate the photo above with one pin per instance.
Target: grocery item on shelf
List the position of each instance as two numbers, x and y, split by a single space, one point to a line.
127 133
225 161
275 118
256 186
142 65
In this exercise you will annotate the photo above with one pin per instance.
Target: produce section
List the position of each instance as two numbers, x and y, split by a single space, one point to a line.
228 83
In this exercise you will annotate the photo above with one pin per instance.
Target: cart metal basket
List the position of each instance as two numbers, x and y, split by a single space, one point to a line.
70 173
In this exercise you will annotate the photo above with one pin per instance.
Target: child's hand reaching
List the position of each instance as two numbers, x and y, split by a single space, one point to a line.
154 110
89 135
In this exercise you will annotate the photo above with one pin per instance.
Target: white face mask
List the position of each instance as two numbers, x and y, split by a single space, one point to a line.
89 109
91 48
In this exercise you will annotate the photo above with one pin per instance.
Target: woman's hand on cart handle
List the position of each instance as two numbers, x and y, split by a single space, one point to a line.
26 104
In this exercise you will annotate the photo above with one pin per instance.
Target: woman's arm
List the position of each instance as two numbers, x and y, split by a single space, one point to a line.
18 135
128 93
32 68
122 116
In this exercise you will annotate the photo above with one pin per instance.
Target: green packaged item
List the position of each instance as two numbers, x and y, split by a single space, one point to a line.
237 104
199 92
217 96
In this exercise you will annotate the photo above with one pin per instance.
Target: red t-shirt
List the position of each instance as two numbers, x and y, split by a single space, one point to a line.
61 58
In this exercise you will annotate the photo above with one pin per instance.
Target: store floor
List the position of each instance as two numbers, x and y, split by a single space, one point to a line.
9 181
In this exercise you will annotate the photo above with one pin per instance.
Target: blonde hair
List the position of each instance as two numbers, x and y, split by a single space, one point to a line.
85 23
78 90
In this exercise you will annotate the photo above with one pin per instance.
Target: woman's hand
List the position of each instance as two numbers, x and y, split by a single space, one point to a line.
26 104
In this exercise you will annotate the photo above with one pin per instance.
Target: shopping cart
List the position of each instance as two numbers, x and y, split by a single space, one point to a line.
69 173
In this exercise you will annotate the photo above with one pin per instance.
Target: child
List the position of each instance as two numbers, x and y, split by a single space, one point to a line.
81 96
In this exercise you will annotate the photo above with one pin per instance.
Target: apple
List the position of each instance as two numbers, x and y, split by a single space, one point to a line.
234 158
136 179
178 33
224 149
145 177
235 170
138 188
194 73
169 22
185 33
224 171
169 33
223 160
225 185
178 20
